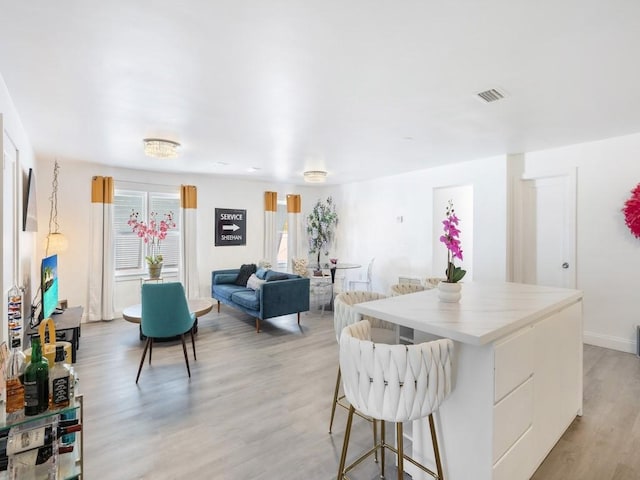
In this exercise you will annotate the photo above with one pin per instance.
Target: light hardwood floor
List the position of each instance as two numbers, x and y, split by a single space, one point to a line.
257 406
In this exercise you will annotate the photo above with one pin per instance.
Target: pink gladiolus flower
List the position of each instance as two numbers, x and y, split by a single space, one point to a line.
153 232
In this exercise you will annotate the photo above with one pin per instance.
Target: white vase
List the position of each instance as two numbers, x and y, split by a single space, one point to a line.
449 292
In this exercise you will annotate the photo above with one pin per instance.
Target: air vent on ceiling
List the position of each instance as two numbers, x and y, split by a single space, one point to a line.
491 95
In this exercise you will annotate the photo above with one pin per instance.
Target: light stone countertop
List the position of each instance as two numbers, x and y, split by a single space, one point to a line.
486 312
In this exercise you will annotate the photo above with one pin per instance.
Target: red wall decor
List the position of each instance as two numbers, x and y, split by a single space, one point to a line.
632 211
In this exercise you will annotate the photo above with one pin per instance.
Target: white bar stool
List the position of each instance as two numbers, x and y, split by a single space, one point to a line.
393 383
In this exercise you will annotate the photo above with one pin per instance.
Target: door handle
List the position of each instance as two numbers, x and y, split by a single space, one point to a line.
565 265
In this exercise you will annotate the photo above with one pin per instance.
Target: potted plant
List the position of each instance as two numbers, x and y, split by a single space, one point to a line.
320 227
450 288
152 233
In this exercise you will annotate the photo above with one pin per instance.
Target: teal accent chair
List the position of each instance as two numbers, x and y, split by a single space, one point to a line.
165 314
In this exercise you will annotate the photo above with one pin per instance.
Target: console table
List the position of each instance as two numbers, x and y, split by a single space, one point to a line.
517 374
67 328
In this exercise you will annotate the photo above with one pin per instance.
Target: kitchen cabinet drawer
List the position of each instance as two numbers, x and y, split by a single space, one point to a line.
512 417
513 362
516 464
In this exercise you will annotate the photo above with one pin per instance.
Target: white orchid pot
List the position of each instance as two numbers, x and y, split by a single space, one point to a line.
449 292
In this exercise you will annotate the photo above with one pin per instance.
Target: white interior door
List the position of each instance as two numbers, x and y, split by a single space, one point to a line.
548 228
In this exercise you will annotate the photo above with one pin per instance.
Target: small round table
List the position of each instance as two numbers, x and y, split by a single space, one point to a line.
341 266
332 268
199 306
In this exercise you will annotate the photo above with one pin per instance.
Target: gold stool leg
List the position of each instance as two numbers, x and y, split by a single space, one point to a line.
382 443
375 439
436 450
335 399
347 433
400 451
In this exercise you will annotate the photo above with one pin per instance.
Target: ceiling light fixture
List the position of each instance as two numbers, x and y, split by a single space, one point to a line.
159 148
315 176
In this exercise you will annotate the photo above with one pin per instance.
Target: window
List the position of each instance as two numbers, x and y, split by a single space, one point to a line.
130 249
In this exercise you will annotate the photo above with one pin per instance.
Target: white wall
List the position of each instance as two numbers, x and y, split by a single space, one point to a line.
368 214
74 196
369 227
608 256
11 124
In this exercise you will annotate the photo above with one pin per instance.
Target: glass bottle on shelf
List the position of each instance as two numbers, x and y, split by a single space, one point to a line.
70 415
14 387
14 312
29 438
36 380
59 381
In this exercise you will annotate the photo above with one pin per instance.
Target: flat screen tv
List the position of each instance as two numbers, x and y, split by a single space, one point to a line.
49 285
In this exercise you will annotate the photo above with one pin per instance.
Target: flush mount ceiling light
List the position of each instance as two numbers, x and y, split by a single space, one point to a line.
159 148
315 176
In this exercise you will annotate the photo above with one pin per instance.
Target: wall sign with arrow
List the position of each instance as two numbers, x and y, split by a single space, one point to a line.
231 227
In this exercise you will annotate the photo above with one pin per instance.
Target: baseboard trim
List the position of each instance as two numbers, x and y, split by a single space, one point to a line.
609 341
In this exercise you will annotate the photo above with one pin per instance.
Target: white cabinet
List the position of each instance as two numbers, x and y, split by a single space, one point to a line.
535 391
517 375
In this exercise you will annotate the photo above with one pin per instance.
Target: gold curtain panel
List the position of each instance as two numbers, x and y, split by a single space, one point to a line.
102 189
188 196
270 201
293 203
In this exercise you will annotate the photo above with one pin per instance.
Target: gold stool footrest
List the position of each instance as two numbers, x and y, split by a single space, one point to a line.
382 445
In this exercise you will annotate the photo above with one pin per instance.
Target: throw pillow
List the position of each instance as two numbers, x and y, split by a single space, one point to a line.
261 273
254 282
245 272
277 276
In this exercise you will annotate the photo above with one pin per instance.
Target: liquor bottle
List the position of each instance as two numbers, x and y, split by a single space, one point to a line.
59 381
70 415
14 311
36 381
15 389
37 456
24 440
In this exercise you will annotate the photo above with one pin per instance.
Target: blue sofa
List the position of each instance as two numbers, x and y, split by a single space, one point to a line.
274 297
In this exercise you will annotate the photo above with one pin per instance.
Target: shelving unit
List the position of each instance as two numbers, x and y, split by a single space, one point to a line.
69 466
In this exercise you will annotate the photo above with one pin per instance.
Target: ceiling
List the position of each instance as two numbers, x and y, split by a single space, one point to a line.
359 88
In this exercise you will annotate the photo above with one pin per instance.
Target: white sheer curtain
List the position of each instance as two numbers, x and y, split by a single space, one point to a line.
188 207
294 229
101 263
270 230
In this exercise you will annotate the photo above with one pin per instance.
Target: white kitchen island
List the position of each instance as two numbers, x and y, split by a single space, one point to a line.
517 374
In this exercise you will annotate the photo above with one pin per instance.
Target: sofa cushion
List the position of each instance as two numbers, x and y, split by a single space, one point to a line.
246 270
225 278
247 298
261 273
273 276
278 276
254 282
226 290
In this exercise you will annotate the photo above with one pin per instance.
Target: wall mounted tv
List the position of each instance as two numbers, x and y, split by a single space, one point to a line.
49 285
